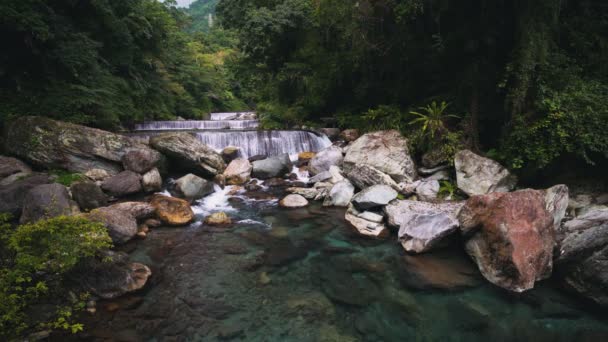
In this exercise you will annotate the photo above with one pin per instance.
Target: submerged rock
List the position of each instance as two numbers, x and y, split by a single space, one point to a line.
272 167
293 201
510 237
218 219
192 187
123 184
477 175
340 194
385 151
188 153
374 196
60 145
110 280
238 172
88 195
46 201
322 161
172 211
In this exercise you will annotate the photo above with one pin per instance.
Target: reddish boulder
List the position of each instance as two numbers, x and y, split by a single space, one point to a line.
510 236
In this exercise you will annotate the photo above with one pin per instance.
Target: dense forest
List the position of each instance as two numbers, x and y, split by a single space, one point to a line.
523 80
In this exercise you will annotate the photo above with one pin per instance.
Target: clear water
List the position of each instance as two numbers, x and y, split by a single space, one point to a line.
303 275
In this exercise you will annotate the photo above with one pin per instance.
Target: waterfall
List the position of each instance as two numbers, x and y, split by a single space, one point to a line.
238 129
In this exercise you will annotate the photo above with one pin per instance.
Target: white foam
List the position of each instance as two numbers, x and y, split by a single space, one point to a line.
216 202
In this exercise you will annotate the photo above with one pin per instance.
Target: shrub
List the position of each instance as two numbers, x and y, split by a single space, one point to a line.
35 259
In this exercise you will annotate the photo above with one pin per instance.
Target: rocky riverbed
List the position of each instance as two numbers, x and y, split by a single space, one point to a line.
358 241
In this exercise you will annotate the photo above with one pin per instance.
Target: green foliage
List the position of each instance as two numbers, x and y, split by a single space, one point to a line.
66 178
447 189
202 13
35 259
432 119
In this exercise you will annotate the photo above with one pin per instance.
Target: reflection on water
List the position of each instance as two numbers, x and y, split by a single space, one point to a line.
303 275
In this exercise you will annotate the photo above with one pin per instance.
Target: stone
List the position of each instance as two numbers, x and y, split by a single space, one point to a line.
97 175
218 219
438 176
12 195
364 176
350 135
121 225
238 172
293 201
151 181
324 159
189 154
192 187
476 175
434 158
336 174
230 153
54 144
257 157
332 133
323 176
139 210
45 201
88 195
6 181
122 184
110 280
10 166
428 190
305 157
423 226
386 151
272 167
363 224
153 223
308 193
374 196
510 236
172 211
340 194
556 202
140 161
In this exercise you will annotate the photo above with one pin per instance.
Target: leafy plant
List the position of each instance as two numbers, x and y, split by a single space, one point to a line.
66 178
35 259
447 189
432 118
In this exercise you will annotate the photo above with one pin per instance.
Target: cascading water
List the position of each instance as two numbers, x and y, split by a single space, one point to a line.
237 129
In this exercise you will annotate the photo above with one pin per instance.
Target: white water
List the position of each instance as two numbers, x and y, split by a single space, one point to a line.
230 116
216 202
196 124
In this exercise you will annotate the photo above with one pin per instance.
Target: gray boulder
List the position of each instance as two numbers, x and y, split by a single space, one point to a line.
10 166
188 153
477 175
308 193
110 280
151 181
122 184
556 201
192 187
12 195
238 172
374 196
272 167
386 151
60 145
121 225
139 210
46 201
427 190
340 194
321 177
324 159
140 161
332 133
423 226
364 176
366 223
88 195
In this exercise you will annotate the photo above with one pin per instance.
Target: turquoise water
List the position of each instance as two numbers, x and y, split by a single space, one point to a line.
303 275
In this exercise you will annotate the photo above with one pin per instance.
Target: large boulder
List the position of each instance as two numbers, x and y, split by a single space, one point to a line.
151 181
350 135
272 167
88 195
293 201
192 187
340 194
326 158
374 196
60 145
363 176
10 166
123 184
477 175
12 195
238 172
113 279
172 211
386 151
140 161
367 223
139 210
46 201
121 225
188 153
427 190
423 226
510 236
582 260
556 202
